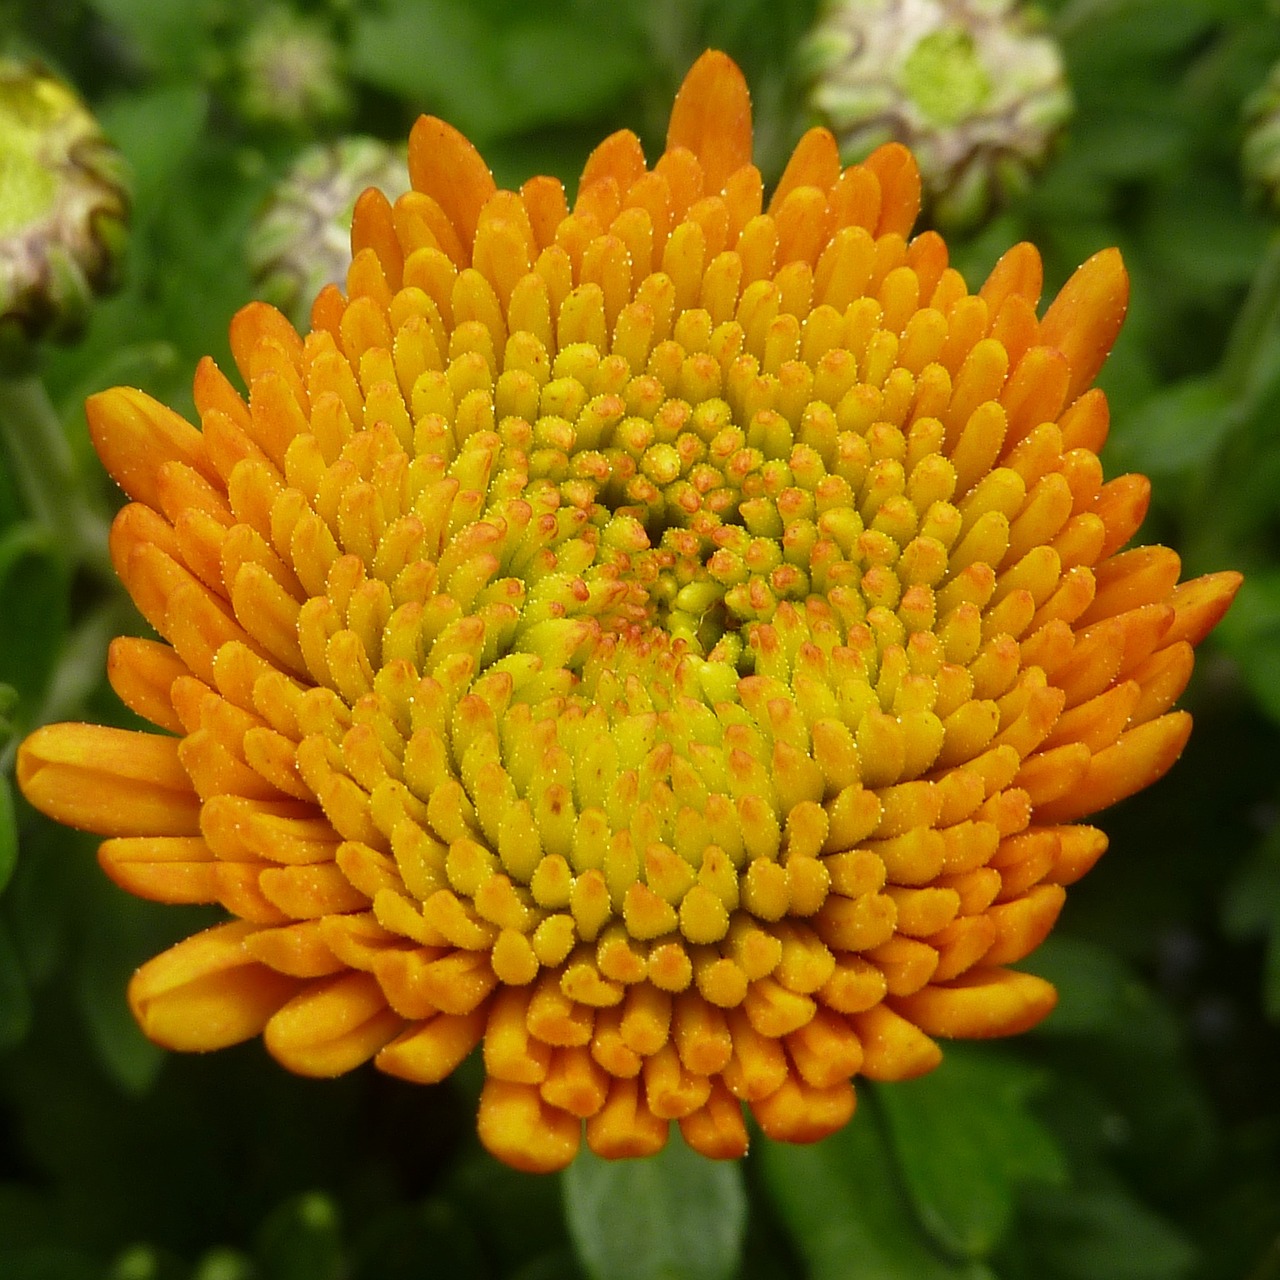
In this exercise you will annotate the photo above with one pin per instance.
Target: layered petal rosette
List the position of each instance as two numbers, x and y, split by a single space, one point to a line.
667 642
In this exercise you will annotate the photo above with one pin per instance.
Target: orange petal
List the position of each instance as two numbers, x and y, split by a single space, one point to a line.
981 1004
619 157
332 1026
712 118
798 1112
1199 604
162 868
136 435
142 672
717 1130
207 993
444 165
373 227
814 163
1023 924
429 1051
523 1131
1086 316
1020 272
625 1127
111 781
893 1048
1136 760
899 176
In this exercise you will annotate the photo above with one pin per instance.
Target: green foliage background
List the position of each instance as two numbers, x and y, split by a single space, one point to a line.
1135 1136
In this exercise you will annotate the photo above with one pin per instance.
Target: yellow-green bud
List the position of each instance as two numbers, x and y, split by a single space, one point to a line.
1260 152
290 72
971 86
63 210
301 240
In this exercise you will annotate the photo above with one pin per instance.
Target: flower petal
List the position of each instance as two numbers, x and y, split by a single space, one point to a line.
712 118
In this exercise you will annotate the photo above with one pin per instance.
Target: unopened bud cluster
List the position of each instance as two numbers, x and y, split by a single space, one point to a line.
63 209
969 85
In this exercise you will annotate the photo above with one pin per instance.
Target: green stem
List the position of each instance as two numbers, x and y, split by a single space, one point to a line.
47 477
1257 319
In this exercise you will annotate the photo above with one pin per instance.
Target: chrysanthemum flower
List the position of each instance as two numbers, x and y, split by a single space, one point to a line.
667 643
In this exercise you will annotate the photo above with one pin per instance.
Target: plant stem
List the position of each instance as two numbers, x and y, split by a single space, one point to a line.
44 468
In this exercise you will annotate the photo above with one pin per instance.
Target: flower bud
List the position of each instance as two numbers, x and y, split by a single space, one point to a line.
301 241
63 210
1260 151
969 85
290 73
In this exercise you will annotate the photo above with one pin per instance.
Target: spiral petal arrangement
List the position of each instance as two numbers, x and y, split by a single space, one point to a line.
668 643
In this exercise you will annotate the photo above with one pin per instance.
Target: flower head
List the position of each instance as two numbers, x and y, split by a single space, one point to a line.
668 643
63 210
971 86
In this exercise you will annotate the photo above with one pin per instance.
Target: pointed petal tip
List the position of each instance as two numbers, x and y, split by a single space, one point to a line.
711 117
1084 320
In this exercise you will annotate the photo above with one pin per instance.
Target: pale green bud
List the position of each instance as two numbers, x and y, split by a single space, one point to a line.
301 240
290 72
971 86
63 210
1260 151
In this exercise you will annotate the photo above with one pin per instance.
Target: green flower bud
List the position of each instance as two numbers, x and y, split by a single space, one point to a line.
301 240
290 72
64 210
1260 152
971 86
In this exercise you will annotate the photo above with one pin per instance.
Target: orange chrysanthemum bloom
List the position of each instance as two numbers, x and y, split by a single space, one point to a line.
667 643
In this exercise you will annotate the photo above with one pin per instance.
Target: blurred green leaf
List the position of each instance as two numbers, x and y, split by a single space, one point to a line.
47 1262
1177 428
8 834
301 1240
843 1204
156 131
1095 1233
1251 908
965 1139
394 1245
1096 991
554 63
15 999
674 1216
33 608
166 34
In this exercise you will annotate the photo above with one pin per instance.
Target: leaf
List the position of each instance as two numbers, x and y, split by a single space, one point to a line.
1178 428
966 1140
33 608
301 1240
843 1204
15 999
1091 1234
8 834
491 77
1096 992
674 1216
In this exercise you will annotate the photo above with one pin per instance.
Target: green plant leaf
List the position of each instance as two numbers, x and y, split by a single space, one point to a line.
33 608
8 834
674 1216
15 999
966 1141
491 77
1177 428
301 1240
843 1204
1093 1233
